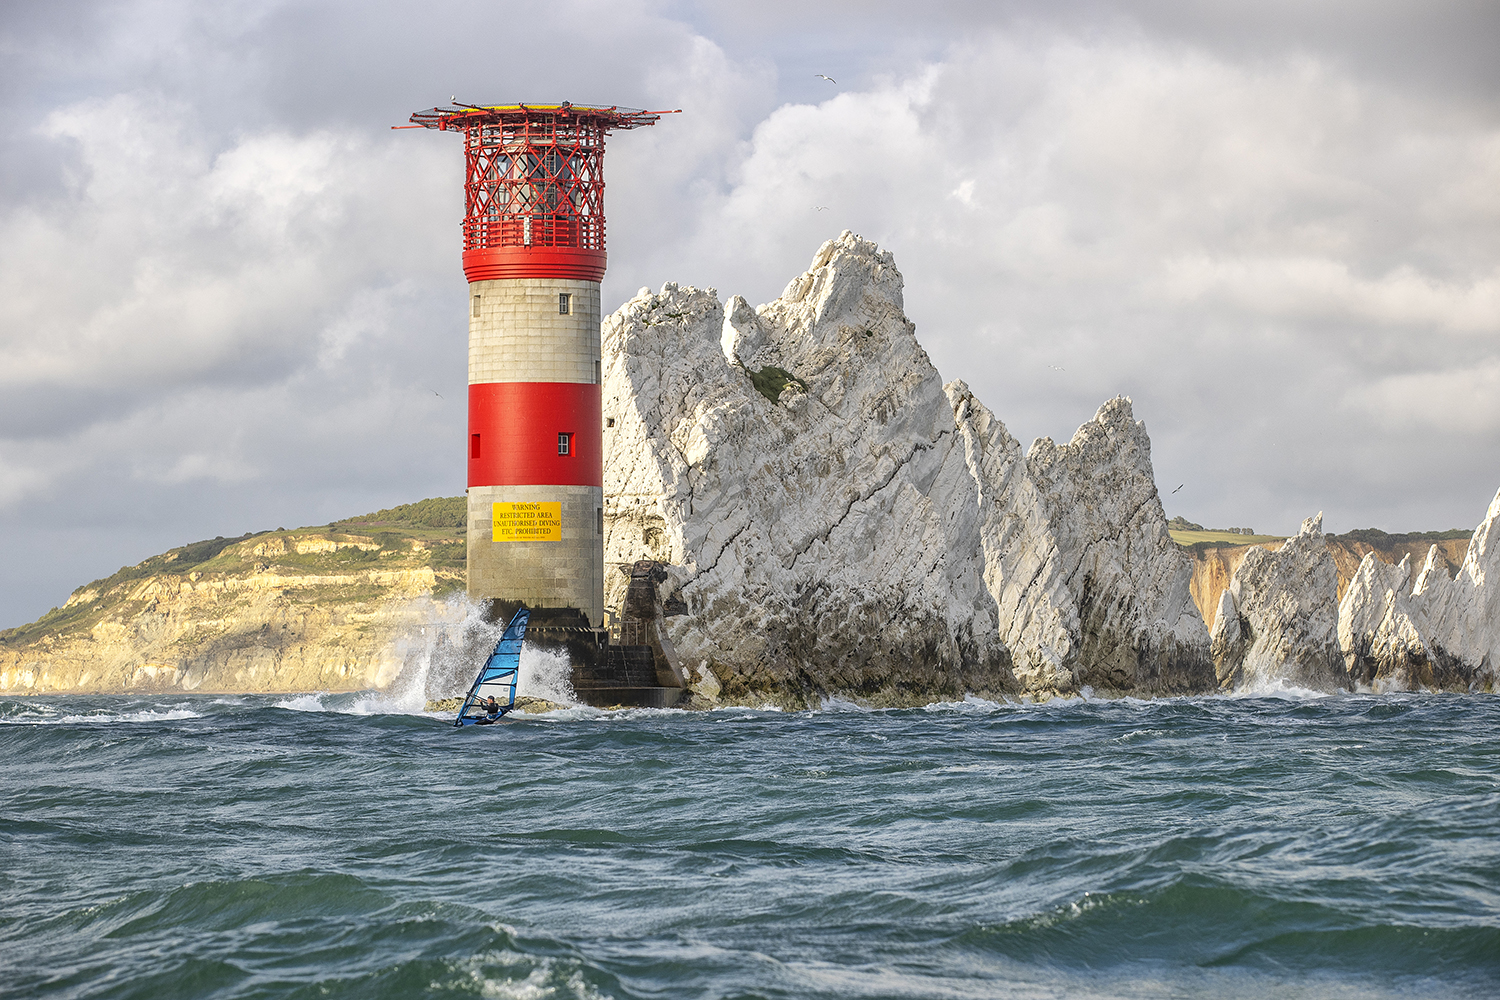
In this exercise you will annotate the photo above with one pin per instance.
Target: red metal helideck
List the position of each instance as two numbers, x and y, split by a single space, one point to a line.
534 185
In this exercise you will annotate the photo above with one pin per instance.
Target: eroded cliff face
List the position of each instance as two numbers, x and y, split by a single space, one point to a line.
1277 622
838 522
1436 631
293 611
1214 565
1348 554
1281 619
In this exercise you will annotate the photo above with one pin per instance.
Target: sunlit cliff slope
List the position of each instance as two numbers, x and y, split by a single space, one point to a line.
311 609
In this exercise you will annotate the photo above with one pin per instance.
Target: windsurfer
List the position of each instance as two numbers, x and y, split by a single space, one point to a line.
498 673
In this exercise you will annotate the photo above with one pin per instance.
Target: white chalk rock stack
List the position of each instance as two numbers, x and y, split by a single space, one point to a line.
1089 588
838 522
1277 623
1433 632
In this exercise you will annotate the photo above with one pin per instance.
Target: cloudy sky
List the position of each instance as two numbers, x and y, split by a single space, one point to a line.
231 299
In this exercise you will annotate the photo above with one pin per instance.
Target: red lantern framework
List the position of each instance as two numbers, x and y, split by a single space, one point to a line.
534 185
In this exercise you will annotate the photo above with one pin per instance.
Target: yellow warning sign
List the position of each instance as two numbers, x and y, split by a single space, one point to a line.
528 522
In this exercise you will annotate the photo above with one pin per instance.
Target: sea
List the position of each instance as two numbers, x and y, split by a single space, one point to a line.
1284 844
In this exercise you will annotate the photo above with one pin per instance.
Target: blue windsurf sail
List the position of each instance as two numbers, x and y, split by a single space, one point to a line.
497 678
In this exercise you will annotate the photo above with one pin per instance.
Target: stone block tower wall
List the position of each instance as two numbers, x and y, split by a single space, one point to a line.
534 377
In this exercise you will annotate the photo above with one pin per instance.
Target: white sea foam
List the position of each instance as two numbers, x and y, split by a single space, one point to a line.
1278 688
352 703
302 703
42 718
570 713
835 703
746 710
441 655
548 978
971 705
546 674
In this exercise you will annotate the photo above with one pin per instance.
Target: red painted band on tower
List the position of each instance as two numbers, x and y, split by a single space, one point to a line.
518 424
502 263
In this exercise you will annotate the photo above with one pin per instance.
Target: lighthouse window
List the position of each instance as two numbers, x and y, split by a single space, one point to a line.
609 421
476 307
564 303
564 444
473 445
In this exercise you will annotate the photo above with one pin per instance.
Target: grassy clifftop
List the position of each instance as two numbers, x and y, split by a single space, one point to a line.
1208 536
428 533
312 608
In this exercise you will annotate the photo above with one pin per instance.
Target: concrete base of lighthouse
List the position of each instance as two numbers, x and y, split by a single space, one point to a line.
566 573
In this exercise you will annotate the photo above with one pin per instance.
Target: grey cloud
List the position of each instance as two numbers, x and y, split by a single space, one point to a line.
1449 43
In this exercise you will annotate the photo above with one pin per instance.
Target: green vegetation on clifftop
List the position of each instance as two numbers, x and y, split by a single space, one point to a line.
434 513
1191 539
428 533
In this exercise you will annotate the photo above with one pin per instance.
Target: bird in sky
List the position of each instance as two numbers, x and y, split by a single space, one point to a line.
820 208
436 393
1057 368
1179 486
830 79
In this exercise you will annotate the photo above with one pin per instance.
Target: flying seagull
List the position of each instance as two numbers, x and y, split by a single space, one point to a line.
434 392
830 79
820 208
1179 486
1057 368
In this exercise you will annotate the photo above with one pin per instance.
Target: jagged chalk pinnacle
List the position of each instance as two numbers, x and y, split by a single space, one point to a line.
841 522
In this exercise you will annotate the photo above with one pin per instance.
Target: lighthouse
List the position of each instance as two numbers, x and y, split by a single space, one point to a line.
534 254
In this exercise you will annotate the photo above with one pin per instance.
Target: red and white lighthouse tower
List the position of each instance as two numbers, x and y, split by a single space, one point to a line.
534 255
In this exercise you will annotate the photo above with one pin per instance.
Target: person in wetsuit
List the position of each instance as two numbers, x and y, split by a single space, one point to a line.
491 709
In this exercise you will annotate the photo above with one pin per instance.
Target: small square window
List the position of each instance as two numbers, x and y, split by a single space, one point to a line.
564 444
564 303
609 421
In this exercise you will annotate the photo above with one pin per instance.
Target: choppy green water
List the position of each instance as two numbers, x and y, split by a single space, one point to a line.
194 847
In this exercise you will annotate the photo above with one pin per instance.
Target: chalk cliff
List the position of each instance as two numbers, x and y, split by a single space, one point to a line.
1281 621
1277 623
339 608
836 521
1214 565
1213 568
1434 631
